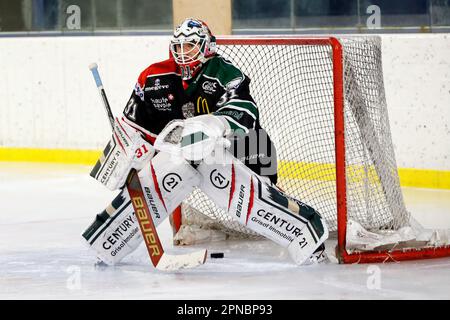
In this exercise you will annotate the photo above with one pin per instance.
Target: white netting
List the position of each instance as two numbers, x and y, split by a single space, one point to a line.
293 88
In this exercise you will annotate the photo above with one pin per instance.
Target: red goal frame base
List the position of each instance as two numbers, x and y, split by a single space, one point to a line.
392 256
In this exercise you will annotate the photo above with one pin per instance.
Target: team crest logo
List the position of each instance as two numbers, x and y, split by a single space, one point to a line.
188 110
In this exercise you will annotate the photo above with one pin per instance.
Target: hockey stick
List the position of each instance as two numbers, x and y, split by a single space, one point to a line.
159 258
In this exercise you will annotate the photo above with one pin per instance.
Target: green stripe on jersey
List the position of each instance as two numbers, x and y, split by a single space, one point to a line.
236 126
242 105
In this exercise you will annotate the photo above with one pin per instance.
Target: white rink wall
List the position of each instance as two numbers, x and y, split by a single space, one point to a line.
417 83
48 98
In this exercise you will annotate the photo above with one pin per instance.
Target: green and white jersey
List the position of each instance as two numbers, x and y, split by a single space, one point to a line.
222 89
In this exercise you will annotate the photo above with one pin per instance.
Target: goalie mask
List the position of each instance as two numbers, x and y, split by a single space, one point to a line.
191 46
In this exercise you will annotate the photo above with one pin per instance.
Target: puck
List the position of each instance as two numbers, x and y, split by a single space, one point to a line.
216 255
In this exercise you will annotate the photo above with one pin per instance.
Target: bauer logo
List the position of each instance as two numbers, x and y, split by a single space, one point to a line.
146 227
240 201
122 135
218 180
151 202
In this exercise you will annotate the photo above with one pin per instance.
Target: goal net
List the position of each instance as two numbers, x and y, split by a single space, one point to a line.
322 101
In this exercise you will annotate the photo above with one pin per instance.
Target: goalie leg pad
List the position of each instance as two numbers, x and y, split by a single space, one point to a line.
115 231
262 207
166 182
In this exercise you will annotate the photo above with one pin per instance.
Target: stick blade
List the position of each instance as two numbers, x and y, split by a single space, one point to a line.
182 261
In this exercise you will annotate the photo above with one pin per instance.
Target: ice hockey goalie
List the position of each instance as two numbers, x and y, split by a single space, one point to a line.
220 148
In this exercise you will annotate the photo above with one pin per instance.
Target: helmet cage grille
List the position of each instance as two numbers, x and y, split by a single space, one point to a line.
188 50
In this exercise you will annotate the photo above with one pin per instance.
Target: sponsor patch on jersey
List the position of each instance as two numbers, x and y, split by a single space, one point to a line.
157 86
231 113
138 91
202 105
209 87
162 104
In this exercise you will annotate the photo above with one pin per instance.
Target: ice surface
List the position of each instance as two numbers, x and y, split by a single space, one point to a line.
44 208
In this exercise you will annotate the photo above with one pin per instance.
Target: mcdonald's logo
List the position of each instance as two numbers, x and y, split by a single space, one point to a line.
201 102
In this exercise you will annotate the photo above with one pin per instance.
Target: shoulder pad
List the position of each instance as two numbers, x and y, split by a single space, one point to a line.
225 72
159 68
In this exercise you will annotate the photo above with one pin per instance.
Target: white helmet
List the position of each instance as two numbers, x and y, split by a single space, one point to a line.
192 44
